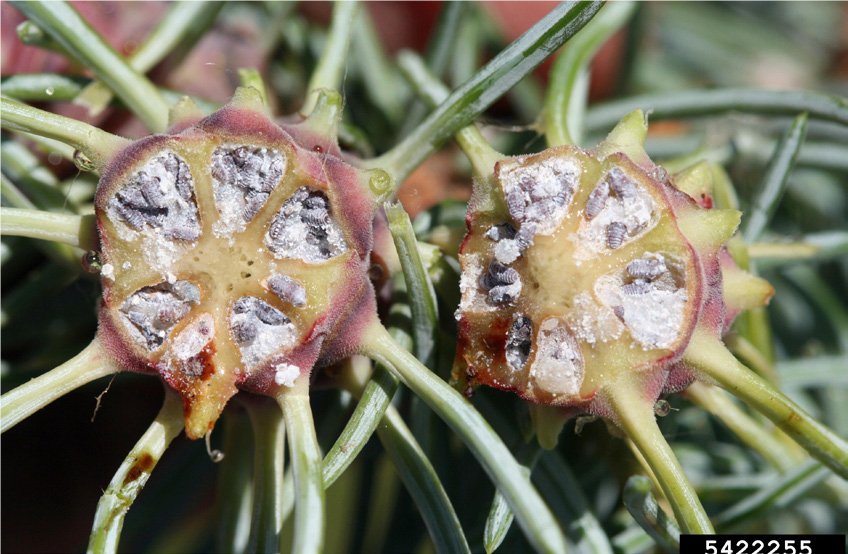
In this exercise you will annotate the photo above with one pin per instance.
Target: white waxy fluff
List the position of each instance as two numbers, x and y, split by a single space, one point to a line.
304 229
558 367
286 375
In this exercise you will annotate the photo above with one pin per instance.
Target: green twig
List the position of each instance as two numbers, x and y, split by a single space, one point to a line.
443 271
50 146
633 540
417 474
62 22
635 416
423 483
498 523
422 297
90 364
749 431
382 505
646 467
43 87
269 452
729 488
709 357
818 246
74 230
441 47
530 511
787 251
32 35
774 182
644 508
821 371
698 103
182 27
99 146
133 474
330 69
486 86
380 78
565 493
185 24
66 255
500 515
483 157
780 492
233 492
25 170
373 403
306 466
568 90
342 507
